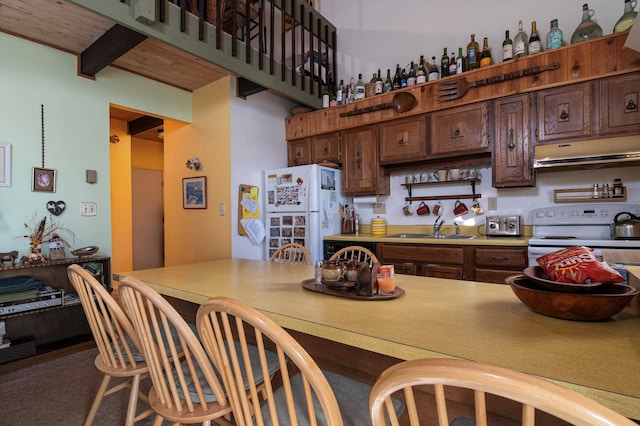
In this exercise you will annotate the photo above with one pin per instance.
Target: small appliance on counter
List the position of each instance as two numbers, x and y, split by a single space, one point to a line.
504 226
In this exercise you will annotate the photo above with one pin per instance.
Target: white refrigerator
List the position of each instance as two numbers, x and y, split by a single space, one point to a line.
302 205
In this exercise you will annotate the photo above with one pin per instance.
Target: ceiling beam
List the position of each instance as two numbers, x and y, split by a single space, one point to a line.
143 124
117 41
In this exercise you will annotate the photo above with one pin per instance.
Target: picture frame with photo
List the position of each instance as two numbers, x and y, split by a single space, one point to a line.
44 180
194 192
5 164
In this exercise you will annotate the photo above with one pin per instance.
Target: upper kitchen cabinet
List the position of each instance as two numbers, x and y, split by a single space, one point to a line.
512 153
460 131
299 152
326 148
362 173
403 141
619 107
565 112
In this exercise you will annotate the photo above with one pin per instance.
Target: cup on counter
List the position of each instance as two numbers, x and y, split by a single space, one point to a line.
407 210
455 174
440 175
460 208
423 209
437 209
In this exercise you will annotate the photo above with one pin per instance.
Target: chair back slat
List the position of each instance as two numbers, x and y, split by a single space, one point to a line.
292 253
533 394
359 253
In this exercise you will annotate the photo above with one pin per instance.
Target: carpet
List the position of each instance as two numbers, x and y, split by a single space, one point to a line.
60 393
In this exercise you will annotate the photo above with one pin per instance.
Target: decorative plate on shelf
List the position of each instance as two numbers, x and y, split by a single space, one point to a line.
85 251
537 275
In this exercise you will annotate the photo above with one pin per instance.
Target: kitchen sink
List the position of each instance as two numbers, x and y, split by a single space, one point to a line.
438 236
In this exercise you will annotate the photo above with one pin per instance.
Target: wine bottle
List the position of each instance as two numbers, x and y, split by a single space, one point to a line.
378 84
485 55
507 47
397 78
421 74
626 20
340 93
460 62
444 64
388 83
403 78
452 64
411 79
554 37
535 45
473 53
520 42
588 29
359 91
434 74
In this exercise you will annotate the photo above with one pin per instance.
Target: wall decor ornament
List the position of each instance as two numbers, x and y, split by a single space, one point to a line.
44 180
194 192
56 207
194 163
42 232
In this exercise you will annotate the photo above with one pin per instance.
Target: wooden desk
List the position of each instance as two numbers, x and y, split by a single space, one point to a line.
435 318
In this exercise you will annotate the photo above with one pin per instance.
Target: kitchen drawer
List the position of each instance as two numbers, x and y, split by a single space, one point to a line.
497 276
514 258
421 253
441 271
406 268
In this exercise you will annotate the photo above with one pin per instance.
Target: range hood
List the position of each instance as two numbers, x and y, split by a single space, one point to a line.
588 153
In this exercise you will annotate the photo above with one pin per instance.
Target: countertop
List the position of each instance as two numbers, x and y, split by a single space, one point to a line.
435 318
479 240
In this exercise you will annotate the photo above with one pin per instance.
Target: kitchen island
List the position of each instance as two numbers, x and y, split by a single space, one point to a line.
435 318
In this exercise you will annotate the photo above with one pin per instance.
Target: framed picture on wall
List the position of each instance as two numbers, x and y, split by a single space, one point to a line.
194 192
44 180
5 164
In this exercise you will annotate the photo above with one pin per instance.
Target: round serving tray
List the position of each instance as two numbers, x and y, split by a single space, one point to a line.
323 288
537 274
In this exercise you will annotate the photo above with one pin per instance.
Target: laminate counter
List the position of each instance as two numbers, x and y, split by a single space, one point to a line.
435 318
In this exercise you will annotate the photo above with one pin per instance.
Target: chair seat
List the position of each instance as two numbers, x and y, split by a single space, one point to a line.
352 396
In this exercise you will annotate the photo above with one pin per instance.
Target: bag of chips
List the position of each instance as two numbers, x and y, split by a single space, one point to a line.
577 265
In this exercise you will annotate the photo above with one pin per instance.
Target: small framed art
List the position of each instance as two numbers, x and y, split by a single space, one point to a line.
44 180
5 164
194 192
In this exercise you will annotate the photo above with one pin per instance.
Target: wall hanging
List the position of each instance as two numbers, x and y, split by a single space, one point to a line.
44 180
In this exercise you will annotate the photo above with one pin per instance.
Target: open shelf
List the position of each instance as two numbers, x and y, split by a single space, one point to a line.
472 196
583 195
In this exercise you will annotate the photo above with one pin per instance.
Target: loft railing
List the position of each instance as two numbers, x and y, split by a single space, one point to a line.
282 45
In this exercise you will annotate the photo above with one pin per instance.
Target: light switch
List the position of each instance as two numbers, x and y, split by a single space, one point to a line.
88 209
222 209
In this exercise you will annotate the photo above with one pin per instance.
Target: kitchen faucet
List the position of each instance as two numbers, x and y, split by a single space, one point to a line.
437 225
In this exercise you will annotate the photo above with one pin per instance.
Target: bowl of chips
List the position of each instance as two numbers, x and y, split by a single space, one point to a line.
602 302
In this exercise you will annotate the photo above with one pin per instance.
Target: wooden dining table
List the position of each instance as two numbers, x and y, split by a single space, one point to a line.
434 318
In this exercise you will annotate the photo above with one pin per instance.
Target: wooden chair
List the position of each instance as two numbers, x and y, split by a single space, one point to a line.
292 253
301 393
358 253
486 381
118 344
185 388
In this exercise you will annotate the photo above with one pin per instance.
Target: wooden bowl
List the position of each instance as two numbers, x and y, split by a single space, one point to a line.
536 274
604 302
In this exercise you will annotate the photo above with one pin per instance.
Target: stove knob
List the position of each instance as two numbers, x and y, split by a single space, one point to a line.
540 214
550 214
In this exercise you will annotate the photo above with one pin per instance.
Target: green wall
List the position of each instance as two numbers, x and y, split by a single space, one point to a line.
76 126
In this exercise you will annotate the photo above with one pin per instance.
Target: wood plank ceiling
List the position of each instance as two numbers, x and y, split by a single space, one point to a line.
73 29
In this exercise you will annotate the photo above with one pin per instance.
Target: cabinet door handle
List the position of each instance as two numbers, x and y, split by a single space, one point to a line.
499 258
358 159
511 144
564 115
631 105
457 132
325 150
401 141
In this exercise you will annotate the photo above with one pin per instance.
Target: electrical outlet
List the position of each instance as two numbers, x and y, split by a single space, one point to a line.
88 209
379 208
492 203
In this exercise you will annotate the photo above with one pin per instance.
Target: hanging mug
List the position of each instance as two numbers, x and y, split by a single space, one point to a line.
437 209
423 209
460 208
477 207
407 210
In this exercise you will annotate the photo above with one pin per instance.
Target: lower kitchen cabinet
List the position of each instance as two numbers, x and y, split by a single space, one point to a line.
494 264
491 264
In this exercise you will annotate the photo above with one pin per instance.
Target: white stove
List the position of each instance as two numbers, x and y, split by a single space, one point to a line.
589 225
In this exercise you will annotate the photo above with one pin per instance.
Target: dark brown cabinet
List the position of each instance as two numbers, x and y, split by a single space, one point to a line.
619 111
438 261
494 264
403 141
362 173
50 327
565 112
460 131
512 153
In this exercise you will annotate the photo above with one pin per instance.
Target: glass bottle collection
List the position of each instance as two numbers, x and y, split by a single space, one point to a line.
521 45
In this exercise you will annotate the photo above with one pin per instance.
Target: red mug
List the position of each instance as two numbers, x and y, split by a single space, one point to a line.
423 209
460 208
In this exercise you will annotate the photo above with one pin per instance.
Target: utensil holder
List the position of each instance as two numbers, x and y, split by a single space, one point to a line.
348 226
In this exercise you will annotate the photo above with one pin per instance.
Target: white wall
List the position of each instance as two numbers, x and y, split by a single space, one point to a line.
376 34
258 143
